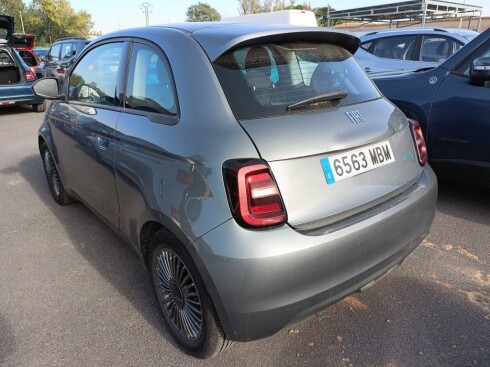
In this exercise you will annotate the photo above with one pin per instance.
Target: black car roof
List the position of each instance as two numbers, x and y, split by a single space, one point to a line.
218 37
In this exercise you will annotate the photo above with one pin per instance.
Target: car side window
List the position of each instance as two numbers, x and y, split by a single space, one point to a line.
94 78
397 47
67 51
150 84
437 48
54 53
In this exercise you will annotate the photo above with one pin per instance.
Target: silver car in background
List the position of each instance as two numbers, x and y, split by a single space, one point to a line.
255 169
398 50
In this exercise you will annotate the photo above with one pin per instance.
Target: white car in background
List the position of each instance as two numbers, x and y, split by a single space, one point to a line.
399 50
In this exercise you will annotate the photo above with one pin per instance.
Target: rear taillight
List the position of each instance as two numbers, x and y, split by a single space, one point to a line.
418 137
254 197
29 76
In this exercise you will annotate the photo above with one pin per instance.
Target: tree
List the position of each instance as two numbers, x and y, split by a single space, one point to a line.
255 6
202 12
321 17
250 7
53 19
13 8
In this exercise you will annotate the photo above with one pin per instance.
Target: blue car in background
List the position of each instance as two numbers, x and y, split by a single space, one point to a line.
452 104
16 77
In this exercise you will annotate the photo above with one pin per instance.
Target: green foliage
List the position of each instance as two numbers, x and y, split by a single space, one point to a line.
13 8
255 6
48 20
202 12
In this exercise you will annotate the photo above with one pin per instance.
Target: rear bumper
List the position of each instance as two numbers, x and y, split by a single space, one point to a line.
18 95
261 281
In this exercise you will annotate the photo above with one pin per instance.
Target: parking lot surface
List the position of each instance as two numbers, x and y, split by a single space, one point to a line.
72 293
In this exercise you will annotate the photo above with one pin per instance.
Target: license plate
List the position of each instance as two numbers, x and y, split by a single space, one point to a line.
342 166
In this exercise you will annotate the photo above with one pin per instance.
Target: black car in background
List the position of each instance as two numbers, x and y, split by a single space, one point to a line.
61 56
452 104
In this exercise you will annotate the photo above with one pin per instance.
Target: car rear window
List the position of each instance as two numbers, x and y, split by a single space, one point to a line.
263 80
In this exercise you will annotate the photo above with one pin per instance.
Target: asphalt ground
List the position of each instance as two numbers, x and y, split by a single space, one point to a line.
72 293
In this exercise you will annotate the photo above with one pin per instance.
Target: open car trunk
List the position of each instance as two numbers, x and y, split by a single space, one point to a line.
9 71
23 41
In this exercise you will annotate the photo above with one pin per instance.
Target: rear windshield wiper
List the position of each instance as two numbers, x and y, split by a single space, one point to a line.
324 97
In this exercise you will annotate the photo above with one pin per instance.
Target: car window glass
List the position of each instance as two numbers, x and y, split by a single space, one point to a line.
366 45
28 58
303 70
437 48
67 51
54 53
94 78
465 67
398 48
150 86
5 58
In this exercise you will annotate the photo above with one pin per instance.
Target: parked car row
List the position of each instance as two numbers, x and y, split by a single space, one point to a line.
16 77
20 65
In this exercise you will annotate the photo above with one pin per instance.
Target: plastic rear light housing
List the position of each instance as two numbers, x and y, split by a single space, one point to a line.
29 76
253 195
419 141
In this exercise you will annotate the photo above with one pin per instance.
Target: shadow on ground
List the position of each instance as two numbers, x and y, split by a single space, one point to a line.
7 341
406 320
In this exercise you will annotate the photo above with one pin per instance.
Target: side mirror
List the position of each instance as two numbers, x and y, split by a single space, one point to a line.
46 88
480 70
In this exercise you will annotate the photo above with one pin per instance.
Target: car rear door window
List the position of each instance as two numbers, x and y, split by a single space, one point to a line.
397 48
94 78
438 48
150 84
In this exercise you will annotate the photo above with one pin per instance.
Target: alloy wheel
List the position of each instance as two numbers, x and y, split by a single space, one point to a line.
178 294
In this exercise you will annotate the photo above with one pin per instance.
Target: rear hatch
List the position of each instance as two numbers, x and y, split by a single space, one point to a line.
334 145
6 29
23 41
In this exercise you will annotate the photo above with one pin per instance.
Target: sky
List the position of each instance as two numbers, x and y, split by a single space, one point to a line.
111 15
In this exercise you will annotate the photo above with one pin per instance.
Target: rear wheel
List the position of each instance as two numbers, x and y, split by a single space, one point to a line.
52 176
39 107
183 300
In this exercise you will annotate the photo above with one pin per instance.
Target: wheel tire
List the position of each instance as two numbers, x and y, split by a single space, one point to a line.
52 176
182 298
39 107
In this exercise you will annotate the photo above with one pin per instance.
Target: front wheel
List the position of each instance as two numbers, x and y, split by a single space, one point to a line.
52 176
183 300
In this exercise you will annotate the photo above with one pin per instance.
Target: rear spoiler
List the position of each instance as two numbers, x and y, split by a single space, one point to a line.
217 46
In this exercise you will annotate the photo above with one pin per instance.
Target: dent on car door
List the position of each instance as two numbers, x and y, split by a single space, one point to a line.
459 127
88 148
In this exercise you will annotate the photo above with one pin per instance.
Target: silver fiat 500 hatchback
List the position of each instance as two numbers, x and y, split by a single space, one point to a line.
255 169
